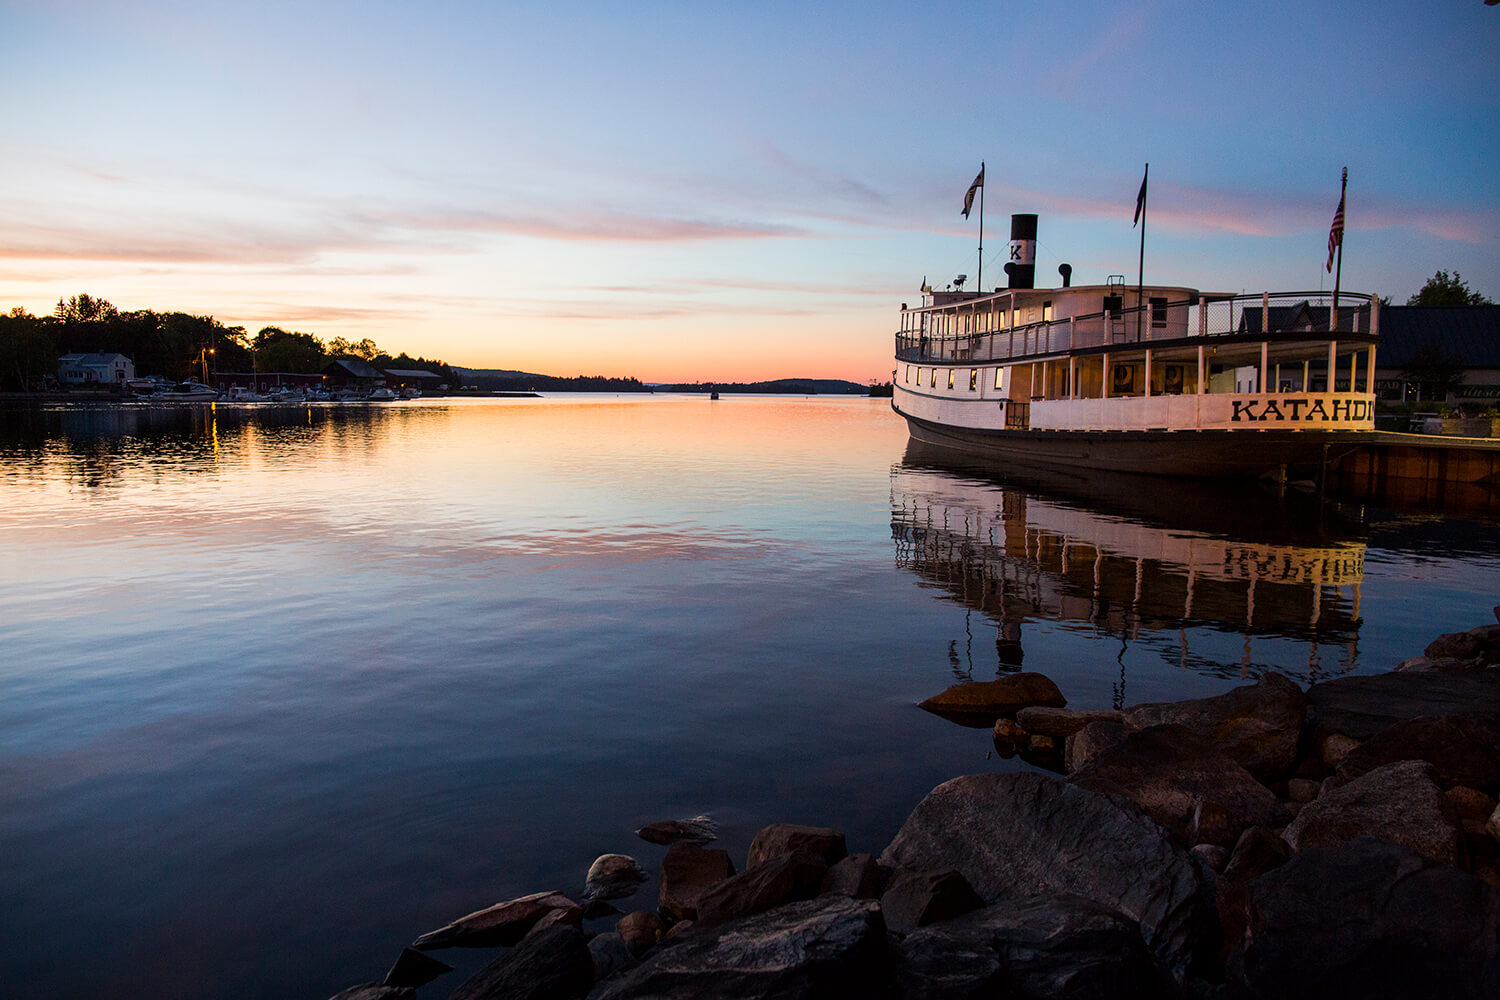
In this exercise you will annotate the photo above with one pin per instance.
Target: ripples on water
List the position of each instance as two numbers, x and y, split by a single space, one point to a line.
285 688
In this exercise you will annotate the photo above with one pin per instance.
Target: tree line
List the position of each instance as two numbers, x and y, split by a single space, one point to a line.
176 345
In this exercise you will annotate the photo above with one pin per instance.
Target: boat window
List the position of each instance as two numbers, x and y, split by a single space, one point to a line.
1046 312
932 383
998 378
973 379
950 378
1158 311
919 376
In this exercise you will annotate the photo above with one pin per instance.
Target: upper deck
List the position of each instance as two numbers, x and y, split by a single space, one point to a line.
1033 324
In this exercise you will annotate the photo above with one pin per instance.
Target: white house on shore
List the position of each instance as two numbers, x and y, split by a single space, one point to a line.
94 369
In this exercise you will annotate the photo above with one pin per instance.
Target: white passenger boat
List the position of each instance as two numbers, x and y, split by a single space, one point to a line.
1157 379
185 392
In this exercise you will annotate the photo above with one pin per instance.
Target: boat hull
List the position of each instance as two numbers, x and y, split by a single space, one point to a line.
1239 454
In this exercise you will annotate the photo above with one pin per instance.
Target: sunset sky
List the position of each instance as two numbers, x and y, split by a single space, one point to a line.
721 192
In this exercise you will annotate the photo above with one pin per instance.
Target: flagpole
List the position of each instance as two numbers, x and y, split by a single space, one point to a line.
979 276
1333 320
1140 275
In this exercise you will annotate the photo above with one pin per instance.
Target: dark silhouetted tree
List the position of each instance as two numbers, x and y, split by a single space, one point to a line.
1443 289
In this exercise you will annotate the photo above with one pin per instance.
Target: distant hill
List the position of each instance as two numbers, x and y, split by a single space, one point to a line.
471 373
793 386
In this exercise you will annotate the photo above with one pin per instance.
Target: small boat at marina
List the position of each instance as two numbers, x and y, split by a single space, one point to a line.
185 392
381 394
1155 379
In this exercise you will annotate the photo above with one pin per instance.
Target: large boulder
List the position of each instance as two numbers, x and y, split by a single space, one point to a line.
552 965
1094 738
916 899
828 947
1399 802
1463 750
375 991
687 872
1257 725
818 842
1362 706
1184 782
1014 836
1051 948
980 703
1371 919
500 925
769 884
858 875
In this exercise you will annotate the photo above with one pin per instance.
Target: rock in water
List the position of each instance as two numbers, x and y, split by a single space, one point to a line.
980 703
820 842
687 872
500 925
374 991
613 876
1019 835
698 830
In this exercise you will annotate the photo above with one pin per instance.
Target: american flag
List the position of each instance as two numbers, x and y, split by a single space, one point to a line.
969 195
1336 233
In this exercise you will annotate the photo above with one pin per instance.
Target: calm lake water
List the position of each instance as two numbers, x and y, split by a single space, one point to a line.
285 688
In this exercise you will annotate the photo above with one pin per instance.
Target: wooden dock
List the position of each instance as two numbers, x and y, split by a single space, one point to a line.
1423 470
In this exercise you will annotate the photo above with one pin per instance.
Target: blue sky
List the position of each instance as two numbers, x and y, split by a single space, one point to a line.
703 191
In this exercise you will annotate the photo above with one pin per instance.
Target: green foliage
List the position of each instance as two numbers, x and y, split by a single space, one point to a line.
365 350
85 309
277 350
1443 289
28 350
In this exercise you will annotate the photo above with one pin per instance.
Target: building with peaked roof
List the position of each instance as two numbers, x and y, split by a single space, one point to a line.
1418 343
414 378
352 373
94 369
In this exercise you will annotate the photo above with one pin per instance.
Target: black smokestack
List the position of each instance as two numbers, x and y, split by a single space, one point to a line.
1021 267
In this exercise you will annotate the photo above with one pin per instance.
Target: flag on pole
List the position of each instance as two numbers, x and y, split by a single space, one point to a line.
969 195
1336 232
1140 199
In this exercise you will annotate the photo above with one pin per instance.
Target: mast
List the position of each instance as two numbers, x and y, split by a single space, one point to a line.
979 273
1140 274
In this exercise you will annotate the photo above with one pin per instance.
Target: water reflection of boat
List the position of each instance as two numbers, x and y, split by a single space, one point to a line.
1128 554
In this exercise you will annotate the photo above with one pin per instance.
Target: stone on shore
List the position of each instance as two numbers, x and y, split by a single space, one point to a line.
687 872
980 703
610 954
833 946
613 876
783 879
1364 705
1371 919
1257 725
1047 948
697 830
1060 723
641 931
1399 802
916 899
858 876
552 965
1019 835
818 842
1094 738
500 925
413 969
1462 749
1184 782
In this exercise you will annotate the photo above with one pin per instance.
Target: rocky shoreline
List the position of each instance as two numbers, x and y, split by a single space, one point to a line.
1267 842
